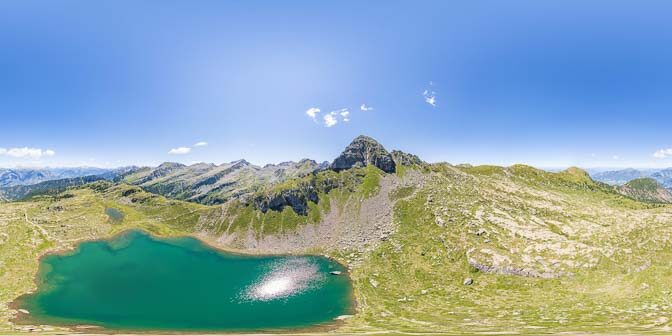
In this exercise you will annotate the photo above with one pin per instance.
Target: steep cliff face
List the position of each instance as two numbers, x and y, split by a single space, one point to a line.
364 151
297 198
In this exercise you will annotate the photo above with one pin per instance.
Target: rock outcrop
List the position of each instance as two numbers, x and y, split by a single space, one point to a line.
297 199
364 151
406 159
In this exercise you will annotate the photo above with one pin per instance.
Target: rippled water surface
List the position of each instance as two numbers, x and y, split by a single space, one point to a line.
135 281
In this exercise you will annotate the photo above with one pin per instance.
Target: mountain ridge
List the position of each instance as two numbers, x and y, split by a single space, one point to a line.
217 184
461 249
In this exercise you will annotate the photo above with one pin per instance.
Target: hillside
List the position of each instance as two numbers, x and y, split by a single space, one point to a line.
646 190
215 184
430 248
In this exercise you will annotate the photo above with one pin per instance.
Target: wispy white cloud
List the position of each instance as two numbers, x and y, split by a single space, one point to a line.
663 153
180 151
330 119
430 95
312 112
333 117
27 152
616 157
365 108
185 149
345 114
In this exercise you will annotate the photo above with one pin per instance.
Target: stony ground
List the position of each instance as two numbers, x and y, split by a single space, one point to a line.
500 252
351 221
454 250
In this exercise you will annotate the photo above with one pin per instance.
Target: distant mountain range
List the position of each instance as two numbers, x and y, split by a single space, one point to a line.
623 176
209 183
51 187
26 176
20 183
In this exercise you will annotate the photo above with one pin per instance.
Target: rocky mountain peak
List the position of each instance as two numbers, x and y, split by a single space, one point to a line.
363 151
241 162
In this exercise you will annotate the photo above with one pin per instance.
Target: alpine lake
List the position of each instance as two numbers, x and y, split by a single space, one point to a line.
137 282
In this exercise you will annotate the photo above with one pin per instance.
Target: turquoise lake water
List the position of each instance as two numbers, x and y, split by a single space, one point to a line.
137 282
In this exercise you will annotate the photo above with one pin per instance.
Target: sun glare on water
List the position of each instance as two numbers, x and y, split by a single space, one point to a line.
284 280
275 287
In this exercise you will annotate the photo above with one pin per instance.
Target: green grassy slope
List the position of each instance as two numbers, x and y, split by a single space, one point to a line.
547 252
616 250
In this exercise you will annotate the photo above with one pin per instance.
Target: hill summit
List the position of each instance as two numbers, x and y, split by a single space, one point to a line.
364 151
646 189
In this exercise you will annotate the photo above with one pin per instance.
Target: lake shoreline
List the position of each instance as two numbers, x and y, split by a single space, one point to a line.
22 320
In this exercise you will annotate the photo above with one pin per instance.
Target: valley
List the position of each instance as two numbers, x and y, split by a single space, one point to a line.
429 247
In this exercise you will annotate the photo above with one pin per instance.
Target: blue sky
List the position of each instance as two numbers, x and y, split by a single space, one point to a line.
547 83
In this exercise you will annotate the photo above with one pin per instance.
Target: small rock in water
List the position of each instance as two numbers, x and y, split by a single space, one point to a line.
24 311
423 292
335 272
468 281
439 221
